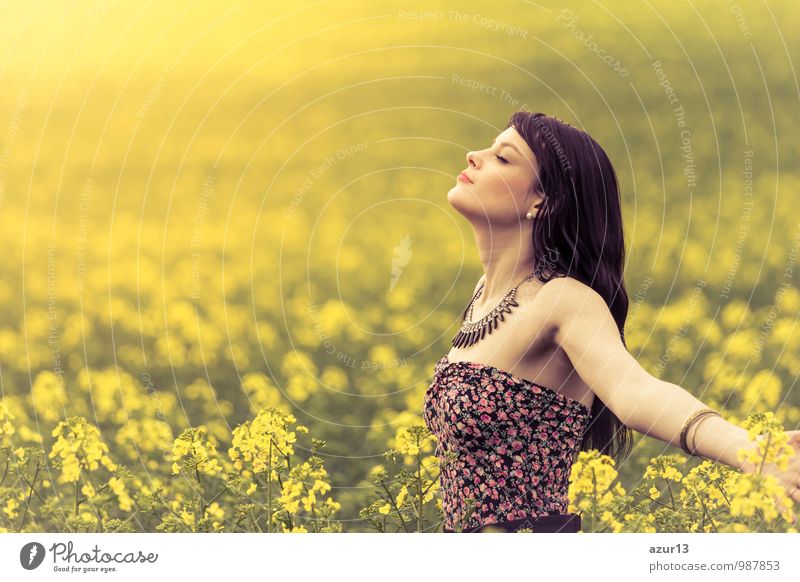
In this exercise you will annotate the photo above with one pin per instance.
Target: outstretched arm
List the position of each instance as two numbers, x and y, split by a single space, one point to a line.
587 332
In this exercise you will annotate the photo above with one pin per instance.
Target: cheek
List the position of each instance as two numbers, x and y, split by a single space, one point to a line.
493 186
506 187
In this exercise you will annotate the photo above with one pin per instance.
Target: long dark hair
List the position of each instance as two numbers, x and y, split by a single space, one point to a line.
578 233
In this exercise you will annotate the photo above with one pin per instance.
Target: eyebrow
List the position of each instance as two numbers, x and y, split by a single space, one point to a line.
511 145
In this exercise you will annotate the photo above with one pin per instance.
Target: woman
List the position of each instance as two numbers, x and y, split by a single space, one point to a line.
543 339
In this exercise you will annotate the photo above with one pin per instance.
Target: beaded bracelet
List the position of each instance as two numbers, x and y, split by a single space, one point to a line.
689 421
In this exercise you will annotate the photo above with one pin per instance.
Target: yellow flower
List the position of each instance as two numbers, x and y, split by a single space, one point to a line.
591 482
6 428
118 487
663 467
289 493
78 446
88 490
771 442
405 443
88 516
401 496
214 510
263 442
321 486
301 375
195 451
49 396
11 508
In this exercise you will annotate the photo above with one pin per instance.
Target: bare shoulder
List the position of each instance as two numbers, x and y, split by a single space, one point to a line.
567 298
570 288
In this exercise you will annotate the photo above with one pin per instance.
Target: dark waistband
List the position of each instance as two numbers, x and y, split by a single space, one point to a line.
555 523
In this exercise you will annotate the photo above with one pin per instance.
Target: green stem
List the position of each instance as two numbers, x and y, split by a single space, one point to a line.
22 476
707 514
166 504
8 463
594 499
238 521
397 510
28 502
255 522
766 450
722 492
218 494
762 519
428 488
130 517
269 489
313 513
419 490
657 501
202 512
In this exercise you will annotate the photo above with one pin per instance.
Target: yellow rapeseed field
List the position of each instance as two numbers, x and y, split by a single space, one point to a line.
229 265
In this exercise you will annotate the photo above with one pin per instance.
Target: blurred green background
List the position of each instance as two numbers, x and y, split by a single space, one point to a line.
215 195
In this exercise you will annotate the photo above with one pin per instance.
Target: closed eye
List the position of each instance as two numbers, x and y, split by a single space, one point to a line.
501 158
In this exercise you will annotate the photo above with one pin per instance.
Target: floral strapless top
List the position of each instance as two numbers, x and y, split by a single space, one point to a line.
503 441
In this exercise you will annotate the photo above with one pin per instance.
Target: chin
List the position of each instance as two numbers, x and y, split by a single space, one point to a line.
455 198
459 197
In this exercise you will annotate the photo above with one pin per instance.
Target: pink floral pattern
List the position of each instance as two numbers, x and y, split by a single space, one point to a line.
504 441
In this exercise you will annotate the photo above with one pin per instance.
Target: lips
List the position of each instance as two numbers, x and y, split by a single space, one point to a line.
463 176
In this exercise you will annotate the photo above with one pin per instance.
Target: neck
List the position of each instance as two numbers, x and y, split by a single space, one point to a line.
507 257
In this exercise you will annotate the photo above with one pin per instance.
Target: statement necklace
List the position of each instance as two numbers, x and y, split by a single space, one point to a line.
474 331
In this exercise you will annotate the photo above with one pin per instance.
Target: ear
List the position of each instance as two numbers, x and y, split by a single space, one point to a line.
537 199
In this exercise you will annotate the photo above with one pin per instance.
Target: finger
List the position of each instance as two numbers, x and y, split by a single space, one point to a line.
782 511
793 495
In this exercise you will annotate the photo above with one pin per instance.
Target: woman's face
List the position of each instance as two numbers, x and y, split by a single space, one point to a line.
502 180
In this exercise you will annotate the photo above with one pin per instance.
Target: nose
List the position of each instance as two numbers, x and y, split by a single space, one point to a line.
472 159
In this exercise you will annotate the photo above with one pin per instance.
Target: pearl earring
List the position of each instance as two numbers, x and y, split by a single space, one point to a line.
530 214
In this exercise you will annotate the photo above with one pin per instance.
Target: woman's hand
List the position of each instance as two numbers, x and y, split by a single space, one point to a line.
790 478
